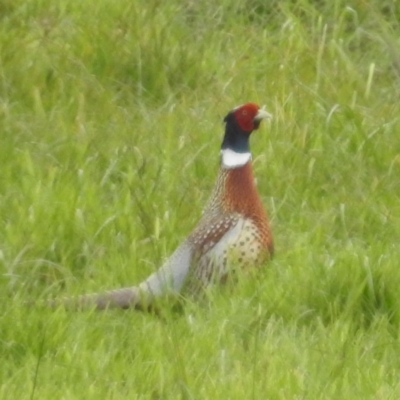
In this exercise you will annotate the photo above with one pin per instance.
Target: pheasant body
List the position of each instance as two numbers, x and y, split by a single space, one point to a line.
233 231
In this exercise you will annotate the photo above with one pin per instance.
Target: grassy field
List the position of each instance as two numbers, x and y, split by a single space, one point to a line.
110 127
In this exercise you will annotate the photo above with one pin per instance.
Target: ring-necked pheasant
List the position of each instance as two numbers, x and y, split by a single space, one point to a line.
233 231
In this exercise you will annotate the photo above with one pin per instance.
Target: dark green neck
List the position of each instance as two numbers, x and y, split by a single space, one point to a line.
235 138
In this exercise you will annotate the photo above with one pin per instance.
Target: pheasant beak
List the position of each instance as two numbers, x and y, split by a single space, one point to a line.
261 114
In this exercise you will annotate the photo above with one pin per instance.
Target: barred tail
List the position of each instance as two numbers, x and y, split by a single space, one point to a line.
129 297
169 278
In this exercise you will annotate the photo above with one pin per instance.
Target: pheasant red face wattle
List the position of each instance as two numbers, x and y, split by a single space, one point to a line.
249 116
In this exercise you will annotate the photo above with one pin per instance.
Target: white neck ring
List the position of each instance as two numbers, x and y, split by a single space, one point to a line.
232 159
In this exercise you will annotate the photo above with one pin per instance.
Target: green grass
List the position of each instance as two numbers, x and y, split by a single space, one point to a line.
110 126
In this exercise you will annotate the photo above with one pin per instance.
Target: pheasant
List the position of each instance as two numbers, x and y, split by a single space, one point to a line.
233 231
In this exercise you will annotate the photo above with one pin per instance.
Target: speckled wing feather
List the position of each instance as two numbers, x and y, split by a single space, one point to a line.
212 240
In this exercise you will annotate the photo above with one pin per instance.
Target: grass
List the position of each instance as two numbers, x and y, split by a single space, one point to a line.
110 126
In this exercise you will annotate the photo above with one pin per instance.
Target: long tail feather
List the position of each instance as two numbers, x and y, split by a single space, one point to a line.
129 297
169 278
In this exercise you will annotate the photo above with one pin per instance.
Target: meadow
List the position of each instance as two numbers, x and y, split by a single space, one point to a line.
110 127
